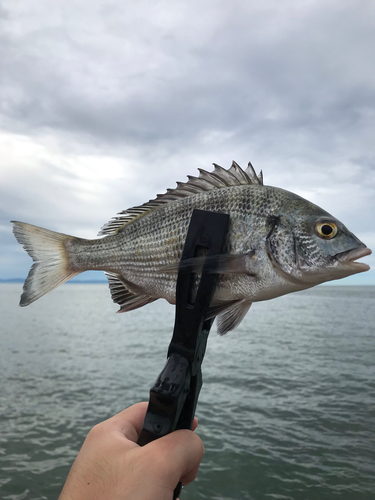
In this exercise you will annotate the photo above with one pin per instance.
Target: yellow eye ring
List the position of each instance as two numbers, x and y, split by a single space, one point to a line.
326 230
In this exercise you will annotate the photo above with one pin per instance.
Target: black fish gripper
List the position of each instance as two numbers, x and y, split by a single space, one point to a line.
174 396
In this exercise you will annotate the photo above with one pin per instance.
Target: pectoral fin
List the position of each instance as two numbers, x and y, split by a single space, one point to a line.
215 264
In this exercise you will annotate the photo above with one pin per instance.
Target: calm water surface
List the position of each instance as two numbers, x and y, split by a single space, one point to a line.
287 410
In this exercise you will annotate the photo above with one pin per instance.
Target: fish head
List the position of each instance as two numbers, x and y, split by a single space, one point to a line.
308 246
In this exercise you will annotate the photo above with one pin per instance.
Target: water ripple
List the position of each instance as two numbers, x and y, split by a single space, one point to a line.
286 412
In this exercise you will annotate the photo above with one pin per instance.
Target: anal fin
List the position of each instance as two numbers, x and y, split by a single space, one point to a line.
125 298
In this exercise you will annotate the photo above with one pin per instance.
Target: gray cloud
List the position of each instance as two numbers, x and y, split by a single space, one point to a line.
161 88
247 71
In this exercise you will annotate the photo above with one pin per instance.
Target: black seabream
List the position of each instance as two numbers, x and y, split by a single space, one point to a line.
277 243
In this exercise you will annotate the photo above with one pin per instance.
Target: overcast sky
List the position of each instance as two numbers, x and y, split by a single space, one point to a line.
104 104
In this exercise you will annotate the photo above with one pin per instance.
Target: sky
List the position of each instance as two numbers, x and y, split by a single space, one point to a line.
104 104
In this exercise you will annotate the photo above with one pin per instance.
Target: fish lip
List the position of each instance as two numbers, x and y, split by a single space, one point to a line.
349 257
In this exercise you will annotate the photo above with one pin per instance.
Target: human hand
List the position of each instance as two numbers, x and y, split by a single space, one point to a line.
112 466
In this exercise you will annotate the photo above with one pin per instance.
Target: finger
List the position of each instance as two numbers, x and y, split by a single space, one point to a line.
175 456
190 476
195 424
131 419
129 422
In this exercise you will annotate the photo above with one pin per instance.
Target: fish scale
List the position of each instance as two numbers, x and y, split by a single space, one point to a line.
275 245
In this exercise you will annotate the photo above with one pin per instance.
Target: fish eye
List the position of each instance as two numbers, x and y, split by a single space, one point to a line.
326 230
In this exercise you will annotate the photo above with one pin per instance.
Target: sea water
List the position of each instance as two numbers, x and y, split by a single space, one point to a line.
287 409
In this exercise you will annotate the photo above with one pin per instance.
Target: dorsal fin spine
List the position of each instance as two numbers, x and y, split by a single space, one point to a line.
207 181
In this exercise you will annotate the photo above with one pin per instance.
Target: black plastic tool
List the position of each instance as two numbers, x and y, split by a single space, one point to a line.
174 396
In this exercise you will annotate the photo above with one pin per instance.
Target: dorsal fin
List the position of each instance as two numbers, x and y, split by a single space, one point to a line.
218 179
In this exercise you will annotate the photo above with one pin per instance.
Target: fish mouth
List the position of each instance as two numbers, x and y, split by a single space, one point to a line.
348 259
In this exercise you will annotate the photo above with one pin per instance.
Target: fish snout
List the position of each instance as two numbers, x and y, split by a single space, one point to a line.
348 259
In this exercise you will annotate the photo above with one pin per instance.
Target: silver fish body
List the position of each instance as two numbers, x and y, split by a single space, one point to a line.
277 243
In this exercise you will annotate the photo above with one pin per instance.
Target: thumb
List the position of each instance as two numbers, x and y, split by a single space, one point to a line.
175 457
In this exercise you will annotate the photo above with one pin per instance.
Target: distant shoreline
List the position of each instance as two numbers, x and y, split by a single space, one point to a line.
104 282
71 282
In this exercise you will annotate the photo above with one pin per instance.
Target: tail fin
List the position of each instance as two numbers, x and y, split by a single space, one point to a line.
51 260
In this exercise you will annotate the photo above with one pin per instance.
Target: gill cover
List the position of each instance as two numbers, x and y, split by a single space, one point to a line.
281 247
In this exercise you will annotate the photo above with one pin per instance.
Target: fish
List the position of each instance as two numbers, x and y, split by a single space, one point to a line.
277 243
